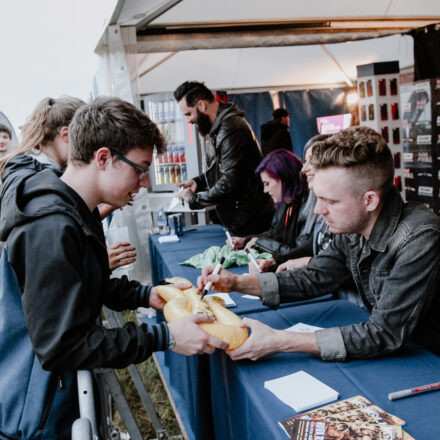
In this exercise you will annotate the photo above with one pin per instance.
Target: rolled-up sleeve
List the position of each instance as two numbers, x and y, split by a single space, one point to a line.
331 344
269 289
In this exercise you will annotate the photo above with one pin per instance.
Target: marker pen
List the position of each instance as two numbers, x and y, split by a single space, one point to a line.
228 236
413 391
216 271
253 261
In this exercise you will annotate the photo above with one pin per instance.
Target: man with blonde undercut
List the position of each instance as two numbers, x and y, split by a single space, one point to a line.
391 248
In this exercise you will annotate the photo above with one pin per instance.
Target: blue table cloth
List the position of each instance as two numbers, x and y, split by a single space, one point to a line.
165 259
244 409
188 377
218 398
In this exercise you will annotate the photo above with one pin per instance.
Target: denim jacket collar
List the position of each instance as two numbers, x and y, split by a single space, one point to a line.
385 224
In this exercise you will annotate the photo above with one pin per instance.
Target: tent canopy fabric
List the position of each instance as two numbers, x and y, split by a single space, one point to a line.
255 44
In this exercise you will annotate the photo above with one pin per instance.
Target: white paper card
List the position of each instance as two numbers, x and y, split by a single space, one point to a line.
303 328
250 297
301 391
168 238
174 204
229 302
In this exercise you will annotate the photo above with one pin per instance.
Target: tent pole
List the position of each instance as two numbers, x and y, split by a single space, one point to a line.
347 79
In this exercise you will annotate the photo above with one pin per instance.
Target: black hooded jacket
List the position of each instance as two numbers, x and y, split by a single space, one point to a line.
230 182
275 135
56 248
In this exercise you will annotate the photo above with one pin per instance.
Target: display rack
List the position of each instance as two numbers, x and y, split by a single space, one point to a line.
379 109
420 132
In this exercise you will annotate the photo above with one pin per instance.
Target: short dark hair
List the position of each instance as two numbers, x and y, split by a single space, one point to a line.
361 150
285 166
193 91
5 129
279 113
113 123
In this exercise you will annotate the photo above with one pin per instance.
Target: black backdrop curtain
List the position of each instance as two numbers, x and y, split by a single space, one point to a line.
304 105
426 52
258 108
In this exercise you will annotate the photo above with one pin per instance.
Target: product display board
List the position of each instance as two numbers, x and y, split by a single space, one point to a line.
379 108
420 133
182 159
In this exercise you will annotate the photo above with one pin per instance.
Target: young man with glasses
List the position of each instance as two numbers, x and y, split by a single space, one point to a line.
55 275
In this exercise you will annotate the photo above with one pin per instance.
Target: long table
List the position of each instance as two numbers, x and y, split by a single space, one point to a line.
244 409
218 398
165 259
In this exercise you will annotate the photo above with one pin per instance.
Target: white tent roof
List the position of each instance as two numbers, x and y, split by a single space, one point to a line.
250 44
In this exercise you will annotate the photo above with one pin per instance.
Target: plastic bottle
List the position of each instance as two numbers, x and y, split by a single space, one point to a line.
183 174
162 220
160 179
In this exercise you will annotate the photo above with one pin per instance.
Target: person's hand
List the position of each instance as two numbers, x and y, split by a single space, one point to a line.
185 194
157 302
261 342
251 242
191 184
238 242
120 254
222 282
264 265
296 263
191 339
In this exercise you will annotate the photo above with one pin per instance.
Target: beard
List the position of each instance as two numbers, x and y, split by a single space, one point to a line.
203 123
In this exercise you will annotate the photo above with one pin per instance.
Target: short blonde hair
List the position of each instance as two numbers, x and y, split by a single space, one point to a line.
363 152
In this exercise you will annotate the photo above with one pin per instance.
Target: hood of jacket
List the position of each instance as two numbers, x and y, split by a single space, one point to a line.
225 111
269 128
28 194
18 168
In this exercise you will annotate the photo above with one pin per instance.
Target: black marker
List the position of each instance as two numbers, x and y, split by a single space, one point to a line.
216 271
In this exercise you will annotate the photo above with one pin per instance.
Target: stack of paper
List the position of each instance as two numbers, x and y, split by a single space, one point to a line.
168 238
229 302
301 391
303 328
250 297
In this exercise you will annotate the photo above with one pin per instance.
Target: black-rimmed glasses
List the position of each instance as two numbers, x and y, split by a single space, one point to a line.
140 171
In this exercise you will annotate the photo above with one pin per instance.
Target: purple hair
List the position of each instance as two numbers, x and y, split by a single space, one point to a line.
285 166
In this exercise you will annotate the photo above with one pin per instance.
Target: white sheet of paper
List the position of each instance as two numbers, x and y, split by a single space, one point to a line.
229 302
174 204
303 328
301 391
250 297
168 238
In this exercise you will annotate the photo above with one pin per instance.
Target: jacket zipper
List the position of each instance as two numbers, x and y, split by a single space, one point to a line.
54 382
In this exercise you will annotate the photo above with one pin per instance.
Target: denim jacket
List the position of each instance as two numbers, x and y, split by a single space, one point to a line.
397 275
